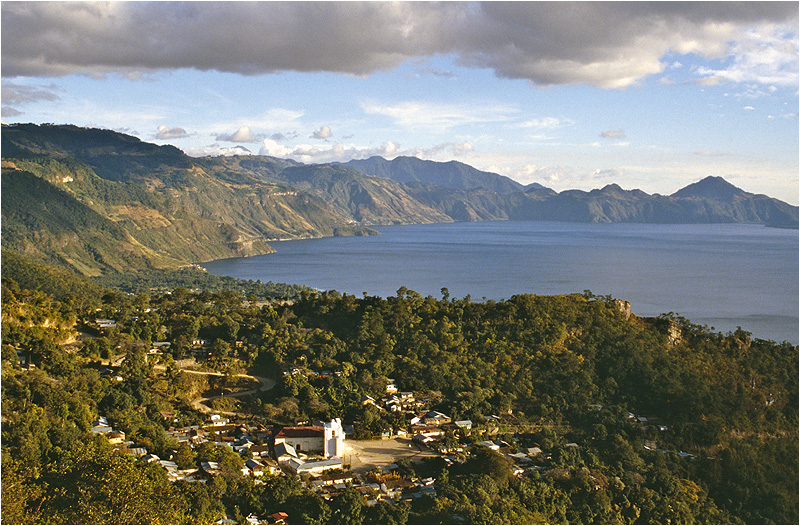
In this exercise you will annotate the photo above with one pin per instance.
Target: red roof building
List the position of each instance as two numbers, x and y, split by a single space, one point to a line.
306 438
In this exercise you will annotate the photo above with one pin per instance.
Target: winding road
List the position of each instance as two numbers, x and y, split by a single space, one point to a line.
199 404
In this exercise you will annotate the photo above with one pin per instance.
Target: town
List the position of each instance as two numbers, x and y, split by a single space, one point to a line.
327 457
330 408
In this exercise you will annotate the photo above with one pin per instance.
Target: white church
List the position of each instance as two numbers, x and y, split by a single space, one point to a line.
327 440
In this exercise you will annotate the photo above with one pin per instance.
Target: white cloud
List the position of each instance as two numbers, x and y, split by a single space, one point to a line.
612 134
323 133
748 108
216 150
13 93
243 134
166 133
463 148
270 147
603 44
566 177
546 123
8 111
22 94
546 175
433 116
341 152
713 80
766 55
126 130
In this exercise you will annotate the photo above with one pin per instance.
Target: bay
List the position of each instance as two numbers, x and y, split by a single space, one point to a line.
721 275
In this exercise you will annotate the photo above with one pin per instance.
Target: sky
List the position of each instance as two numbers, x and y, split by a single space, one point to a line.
653 96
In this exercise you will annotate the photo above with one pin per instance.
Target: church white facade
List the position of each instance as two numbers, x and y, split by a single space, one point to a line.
327 439
333 439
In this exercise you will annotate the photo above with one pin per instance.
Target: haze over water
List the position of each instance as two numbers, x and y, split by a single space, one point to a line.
721 275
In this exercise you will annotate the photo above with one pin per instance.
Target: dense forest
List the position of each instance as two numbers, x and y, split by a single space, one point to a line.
575 376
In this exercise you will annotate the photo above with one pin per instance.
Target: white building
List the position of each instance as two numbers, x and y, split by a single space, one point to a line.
314 467
327 439
334 439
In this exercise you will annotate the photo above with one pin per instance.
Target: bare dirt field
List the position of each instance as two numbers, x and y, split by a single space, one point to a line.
365 455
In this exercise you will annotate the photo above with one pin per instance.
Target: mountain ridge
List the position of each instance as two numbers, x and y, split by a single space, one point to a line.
100 201
451 174
711 187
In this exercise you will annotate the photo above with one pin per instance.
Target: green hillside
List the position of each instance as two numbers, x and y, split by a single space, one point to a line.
55 281
48 224
97 202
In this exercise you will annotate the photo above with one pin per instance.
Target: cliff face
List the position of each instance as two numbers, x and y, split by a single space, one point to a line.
670 328
624 307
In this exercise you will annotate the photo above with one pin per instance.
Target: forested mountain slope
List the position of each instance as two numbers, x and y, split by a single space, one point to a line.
476 195
98 201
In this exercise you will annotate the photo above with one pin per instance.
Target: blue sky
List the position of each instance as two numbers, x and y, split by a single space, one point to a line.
570 95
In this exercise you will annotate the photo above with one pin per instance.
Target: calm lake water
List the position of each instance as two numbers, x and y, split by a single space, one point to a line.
722 276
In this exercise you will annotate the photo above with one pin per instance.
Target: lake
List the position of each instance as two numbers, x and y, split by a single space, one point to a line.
720 275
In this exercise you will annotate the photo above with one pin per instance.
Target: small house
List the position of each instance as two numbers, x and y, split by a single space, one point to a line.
100 426
435 418
284 452
116 437
256 467
491 445
279 518
210 468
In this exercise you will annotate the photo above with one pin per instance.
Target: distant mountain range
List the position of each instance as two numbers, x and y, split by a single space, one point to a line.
99 201
453 174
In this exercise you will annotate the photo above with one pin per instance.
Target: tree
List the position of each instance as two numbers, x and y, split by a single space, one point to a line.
491 463
308 508
18 493
185 457
220 349
92 485
348 507
386 513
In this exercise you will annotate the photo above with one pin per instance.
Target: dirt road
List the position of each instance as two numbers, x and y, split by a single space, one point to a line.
199 404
